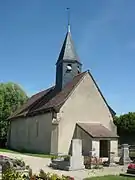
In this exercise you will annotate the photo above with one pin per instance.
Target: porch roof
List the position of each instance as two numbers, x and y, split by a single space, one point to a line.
97 130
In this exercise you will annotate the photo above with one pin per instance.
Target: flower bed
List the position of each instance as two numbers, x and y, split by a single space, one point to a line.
92 162
7 162
131 168
15 169
2 157
13 175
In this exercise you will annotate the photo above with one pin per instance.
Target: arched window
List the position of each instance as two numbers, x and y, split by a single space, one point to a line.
78 70
69 67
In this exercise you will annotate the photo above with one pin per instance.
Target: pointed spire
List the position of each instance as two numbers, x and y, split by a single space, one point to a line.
68 28
68 15
68 52
68 65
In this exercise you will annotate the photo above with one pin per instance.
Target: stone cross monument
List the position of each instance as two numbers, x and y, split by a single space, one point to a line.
125 159
76 160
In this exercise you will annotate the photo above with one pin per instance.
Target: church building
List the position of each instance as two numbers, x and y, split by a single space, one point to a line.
73 108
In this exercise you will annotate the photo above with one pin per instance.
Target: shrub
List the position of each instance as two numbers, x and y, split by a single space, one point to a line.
53 157
48 176
131 166
11 174
65 157
93 162
132 154
18 162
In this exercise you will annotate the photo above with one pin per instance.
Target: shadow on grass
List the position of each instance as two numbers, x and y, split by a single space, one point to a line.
24 152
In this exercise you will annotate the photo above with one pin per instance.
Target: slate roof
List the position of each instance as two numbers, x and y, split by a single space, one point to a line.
51 99
47 100
68 51
30 103
97 130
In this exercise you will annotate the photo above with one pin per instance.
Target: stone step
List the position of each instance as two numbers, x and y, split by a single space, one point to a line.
131 171
128 175
53 165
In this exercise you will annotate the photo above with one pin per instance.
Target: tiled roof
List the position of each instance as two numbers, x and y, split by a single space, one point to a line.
50 98
30 103
47 99
97 130
59 98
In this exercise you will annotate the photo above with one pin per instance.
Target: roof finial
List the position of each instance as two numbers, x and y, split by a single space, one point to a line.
68 13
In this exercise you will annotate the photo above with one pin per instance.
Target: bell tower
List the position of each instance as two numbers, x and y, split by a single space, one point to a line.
68 64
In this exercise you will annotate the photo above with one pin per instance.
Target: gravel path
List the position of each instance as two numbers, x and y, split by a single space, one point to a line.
37 163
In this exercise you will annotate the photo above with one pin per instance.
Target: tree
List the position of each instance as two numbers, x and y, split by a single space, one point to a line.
11 98
125 123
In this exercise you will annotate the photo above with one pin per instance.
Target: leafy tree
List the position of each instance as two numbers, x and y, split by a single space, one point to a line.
11 98
125 123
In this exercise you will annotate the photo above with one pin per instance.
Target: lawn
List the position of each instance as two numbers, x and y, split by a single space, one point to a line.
25 153
110 178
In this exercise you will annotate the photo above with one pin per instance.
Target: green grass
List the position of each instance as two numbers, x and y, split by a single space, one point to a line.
8 151
132 154
110 178
26 153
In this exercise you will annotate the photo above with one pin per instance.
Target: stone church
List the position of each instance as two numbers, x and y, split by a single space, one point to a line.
73 108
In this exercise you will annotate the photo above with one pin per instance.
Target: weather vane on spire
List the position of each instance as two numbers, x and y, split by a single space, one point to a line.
68 16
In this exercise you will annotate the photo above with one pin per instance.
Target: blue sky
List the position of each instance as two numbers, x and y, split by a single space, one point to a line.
32 32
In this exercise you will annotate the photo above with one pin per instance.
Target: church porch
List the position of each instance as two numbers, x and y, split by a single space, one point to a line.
97 139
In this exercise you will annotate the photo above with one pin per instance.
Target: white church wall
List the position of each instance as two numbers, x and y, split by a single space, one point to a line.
54 139
86 140
96 148
85 105
114 147
32 133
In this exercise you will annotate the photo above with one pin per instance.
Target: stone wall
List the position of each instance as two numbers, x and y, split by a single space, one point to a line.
114 147
96 147
86 140
89 108
31 133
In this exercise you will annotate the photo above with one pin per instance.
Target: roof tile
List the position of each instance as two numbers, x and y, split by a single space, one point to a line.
50 98
97 130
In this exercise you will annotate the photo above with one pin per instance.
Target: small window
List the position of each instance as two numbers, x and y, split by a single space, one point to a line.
78 70
69 68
